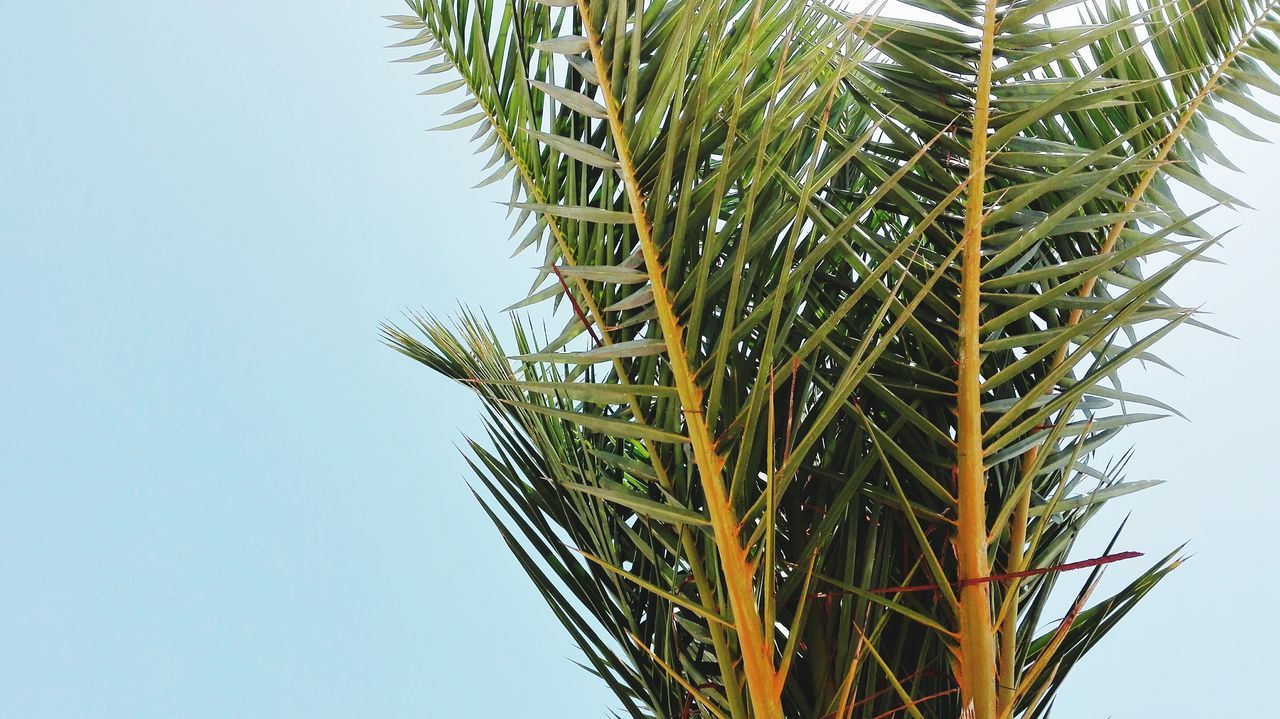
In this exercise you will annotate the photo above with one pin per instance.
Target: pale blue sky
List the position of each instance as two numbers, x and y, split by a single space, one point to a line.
221 497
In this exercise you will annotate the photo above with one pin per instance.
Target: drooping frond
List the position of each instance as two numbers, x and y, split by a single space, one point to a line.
847 300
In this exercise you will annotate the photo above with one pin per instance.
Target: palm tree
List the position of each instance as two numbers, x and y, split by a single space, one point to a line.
845 304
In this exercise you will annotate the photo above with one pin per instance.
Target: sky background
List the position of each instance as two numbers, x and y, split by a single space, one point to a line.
220 496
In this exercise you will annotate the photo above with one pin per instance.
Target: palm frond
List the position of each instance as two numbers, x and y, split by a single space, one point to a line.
848 304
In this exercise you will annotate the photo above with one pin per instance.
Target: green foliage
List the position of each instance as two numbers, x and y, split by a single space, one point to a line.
734 473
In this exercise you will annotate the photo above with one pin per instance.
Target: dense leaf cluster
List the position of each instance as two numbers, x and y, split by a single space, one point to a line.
835 287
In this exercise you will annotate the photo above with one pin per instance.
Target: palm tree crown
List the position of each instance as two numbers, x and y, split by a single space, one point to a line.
846 301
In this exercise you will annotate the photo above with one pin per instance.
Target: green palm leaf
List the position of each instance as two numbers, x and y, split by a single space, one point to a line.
851 299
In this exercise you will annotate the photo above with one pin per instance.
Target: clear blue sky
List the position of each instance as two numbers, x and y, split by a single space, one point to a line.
221 497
